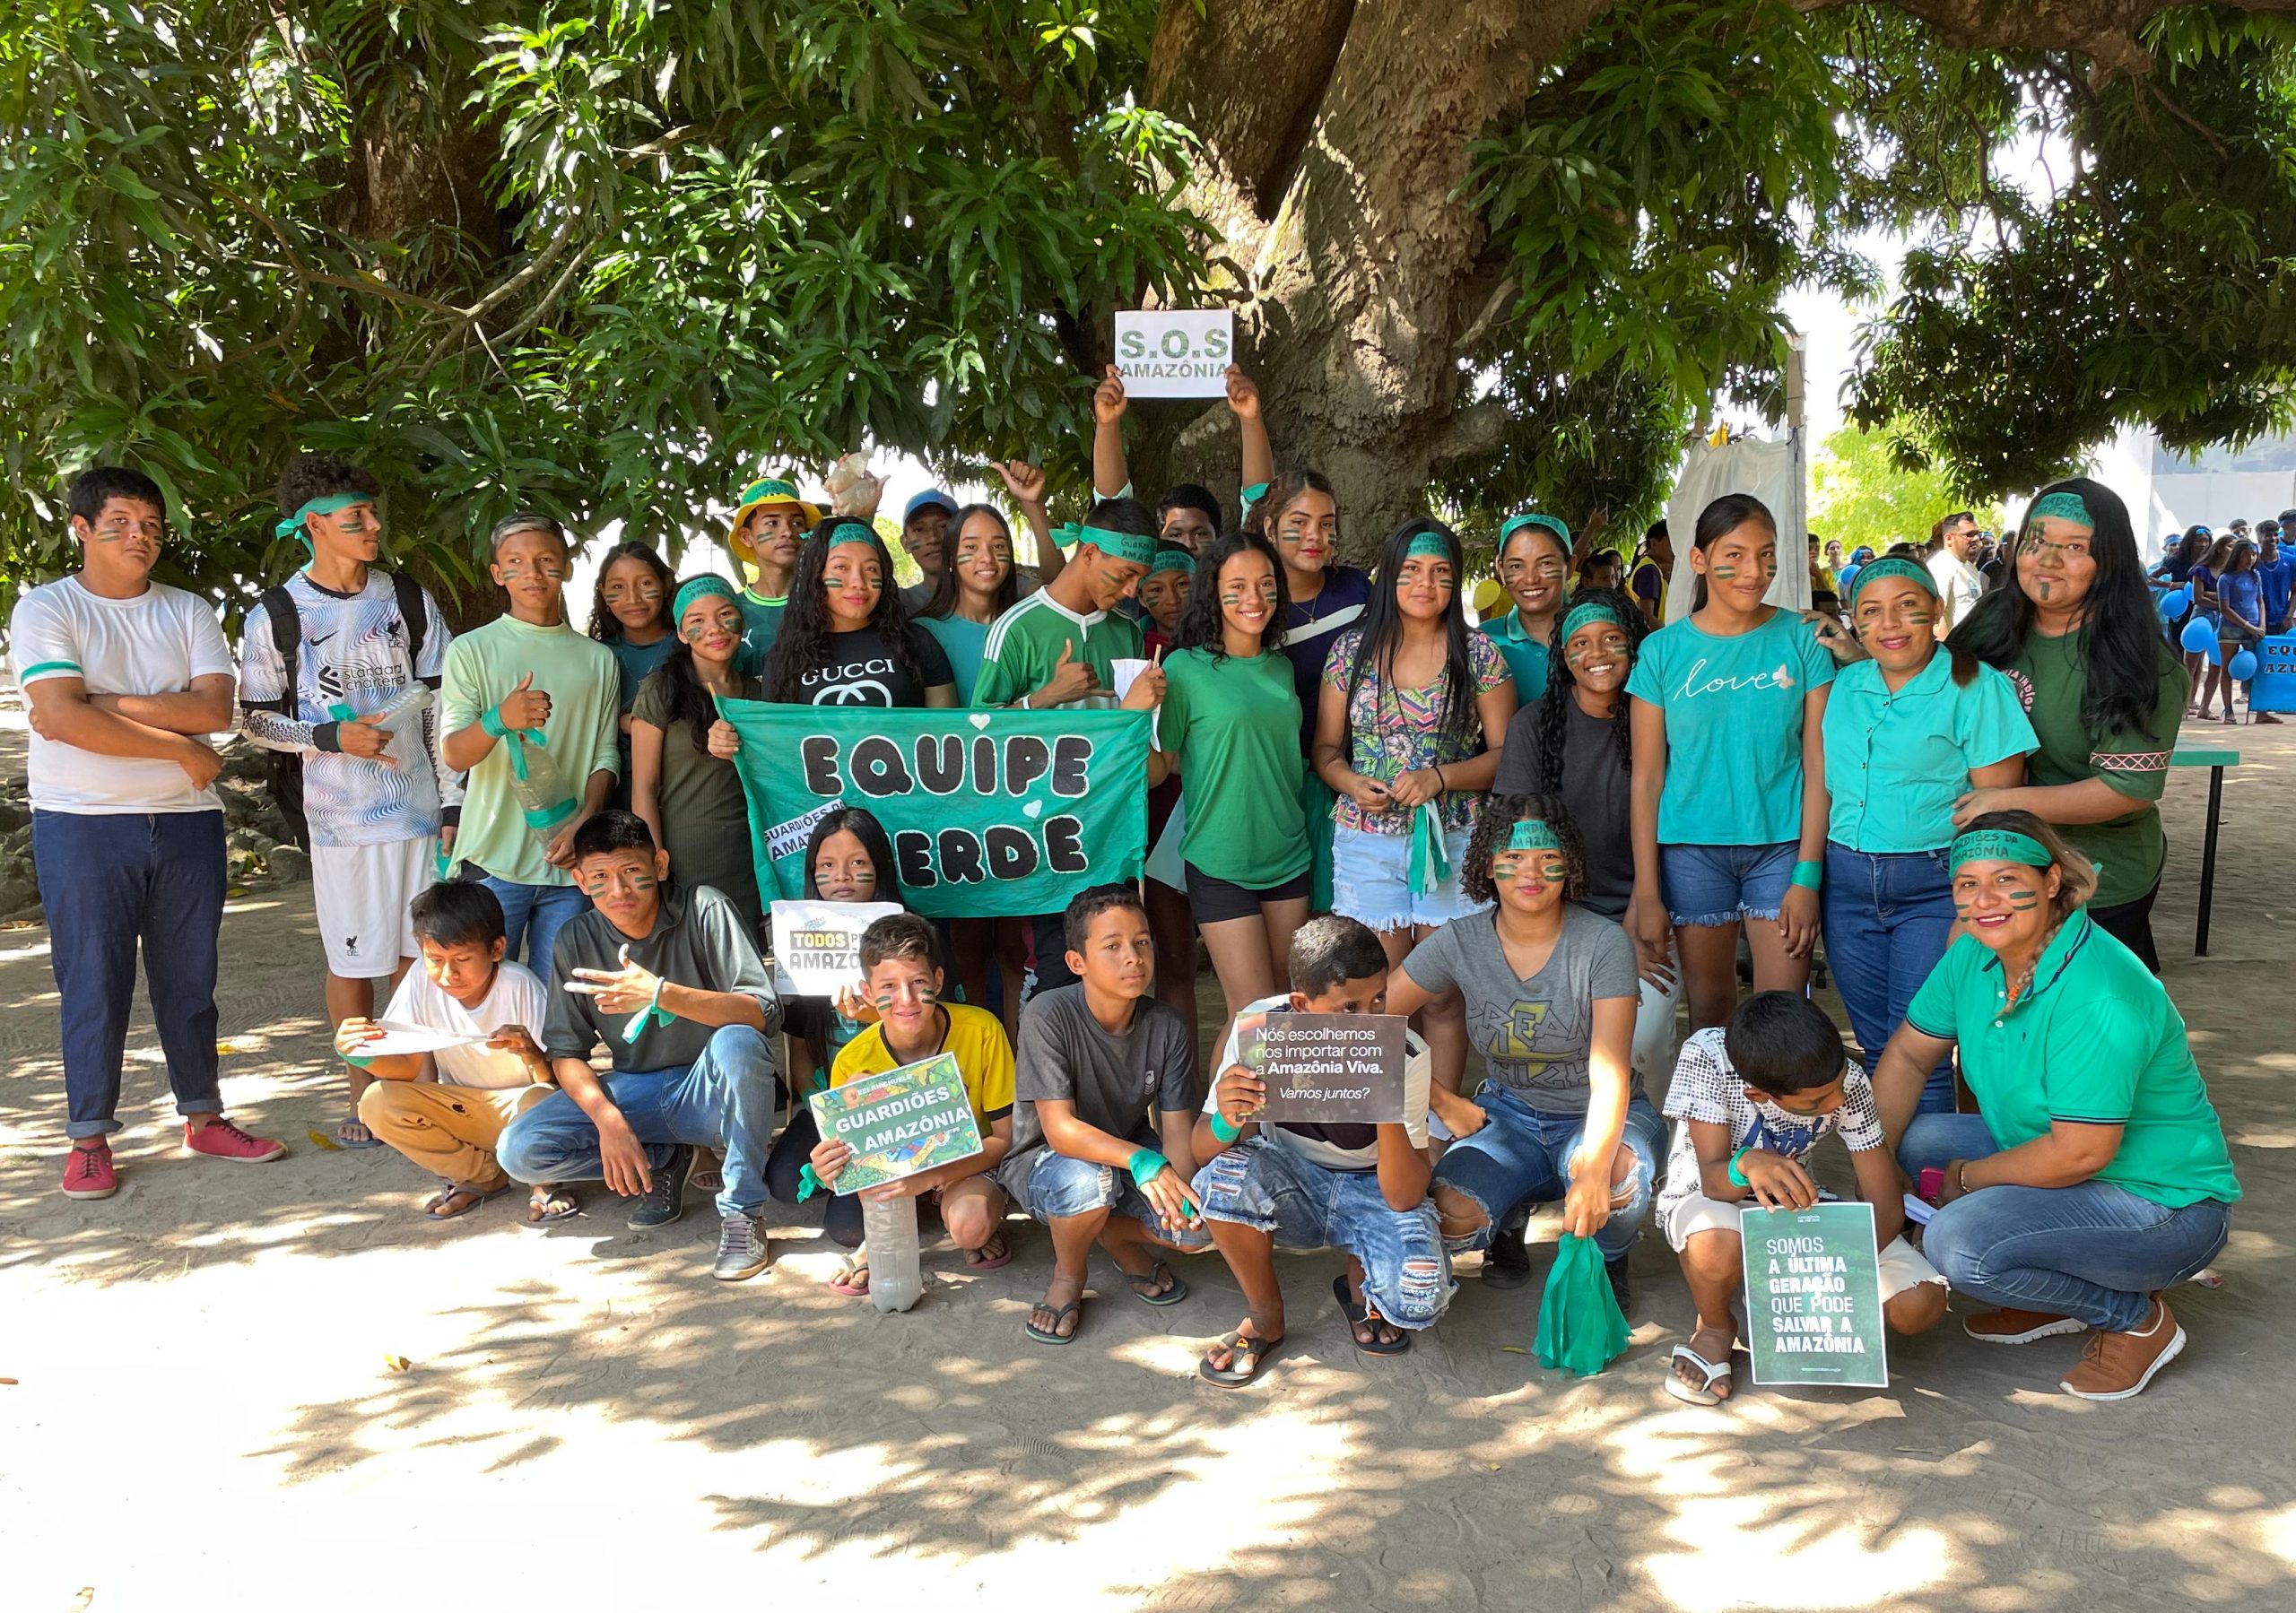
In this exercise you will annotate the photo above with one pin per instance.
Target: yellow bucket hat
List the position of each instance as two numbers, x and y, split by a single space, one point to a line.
759 495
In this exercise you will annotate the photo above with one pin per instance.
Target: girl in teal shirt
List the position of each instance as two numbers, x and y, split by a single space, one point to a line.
1729 801
1909 732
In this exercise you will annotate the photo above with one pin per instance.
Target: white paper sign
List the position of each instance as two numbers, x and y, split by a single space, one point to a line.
817 945
1175 353
401 1040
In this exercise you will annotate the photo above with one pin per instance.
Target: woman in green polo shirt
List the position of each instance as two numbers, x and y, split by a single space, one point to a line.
2073 625
2095 1173
1909 731
1231 725
1533 565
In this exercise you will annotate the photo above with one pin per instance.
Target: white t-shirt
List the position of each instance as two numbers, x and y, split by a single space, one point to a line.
1959 585
154 644
516 998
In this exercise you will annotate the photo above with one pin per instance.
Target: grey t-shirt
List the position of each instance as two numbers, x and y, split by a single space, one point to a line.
1534 1034
1114 1080
699 940
1593 787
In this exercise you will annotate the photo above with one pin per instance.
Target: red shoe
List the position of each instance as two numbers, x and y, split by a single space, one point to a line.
221 1139
88 1173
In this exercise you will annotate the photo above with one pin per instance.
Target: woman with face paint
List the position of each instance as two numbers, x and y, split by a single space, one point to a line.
846 640
1408 724
683 779
1533 566
1909 731
2073 626
1231 727
1729 775
2094 1175
1550 996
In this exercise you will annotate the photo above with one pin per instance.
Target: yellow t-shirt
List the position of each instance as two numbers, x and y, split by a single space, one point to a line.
975 1038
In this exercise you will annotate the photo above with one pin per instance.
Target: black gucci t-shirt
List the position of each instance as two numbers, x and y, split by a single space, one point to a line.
859 669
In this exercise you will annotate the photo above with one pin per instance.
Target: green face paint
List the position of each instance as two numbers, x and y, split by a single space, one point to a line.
1725 574
644 881
2024 901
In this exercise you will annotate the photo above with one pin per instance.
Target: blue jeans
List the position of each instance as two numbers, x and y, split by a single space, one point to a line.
109 882
1270 1188
1058 1186
537 913
1888 917
1522 1155
722 1100
1709 885
2094 1252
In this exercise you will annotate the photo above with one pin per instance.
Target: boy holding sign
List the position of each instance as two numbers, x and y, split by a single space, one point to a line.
1358 1187
1749 1101
901 984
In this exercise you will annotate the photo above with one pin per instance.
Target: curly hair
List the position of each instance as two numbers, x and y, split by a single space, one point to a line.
606 627
310 476
802 644
1500 814
1554 716
1200 625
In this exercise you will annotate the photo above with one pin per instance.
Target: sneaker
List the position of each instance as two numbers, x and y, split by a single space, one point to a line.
664 1202
88 1173
2117 1365
742 1250
2019 1327
1621 1287
221 1139
1507 1263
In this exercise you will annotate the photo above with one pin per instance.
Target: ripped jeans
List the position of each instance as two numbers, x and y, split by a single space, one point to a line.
1265 1185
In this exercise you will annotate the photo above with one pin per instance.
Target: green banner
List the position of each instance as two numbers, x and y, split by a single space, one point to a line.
1814 1295
989 813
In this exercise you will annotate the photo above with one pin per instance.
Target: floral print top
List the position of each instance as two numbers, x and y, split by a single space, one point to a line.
1393 731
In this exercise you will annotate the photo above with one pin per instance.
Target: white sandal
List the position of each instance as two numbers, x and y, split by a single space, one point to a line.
1701 1393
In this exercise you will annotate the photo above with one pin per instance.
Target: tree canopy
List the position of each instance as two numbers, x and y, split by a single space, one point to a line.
612 257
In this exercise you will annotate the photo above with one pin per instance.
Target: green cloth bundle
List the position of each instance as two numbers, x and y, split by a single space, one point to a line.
1581 1329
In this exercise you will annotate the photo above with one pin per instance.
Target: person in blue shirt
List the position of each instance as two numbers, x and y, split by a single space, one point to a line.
630 616
1909 731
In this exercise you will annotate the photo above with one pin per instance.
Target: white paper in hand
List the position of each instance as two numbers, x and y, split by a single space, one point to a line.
816 945
400 1041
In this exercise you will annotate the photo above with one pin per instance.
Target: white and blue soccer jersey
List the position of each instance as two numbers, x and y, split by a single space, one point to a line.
353 659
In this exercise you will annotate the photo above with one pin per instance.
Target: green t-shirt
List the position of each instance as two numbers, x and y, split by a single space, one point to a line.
2050 674
962 642
1733 727
1896 763
584 683
1024 645
761 624
1234 726
2094 1040
1527 658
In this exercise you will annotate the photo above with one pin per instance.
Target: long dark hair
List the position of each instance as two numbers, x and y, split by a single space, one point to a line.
1201 626
1554 706
606 627
1717 521
944 602
1283 493
689 702
2119 636
862 824
802 646
1381 634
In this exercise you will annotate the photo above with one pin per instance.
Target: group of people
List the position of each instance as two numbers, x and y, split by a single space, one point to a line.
2240 588
1541 836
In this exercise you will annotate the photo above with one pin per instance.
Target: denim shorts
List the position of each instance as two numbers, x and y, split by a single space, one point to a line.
1269 1187
1723 884
1522 1155
1370 882
1056 1185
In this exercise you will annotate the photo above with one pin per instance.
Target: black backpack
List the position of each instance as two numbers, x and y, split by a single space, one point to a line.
287 634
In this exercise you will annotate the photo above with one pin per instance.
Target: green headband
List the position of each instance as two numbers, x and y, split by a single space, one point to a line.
1532 834
293 527
1127 546
2063 507
1516 523
702 587
844 524
1592 611
758 492
1429 545
1890 565
1999 845
1172 559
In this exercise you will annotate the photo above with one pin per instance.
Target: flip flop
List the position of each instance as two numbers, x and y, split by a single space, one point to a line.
558 1204
852 1279
1075 1307
1700 1393
1361 1315
475 1196
1243 1347
1156 1273
997 1240
342 1142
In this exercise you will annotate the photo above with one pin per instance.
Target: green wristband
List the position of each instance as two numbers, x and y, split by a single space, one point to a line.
1223 1129
1736 1175
1809 876
491 719
357 1060
1146 1163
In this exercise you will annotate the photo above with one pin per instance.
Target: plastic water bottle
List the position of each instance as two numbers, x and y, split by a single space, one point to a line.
541 787
895 1280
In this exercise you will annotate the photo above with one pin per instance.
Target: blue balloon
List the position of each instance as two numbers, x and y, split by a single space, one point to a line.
2167 603
2199 637
2180 602
2242 666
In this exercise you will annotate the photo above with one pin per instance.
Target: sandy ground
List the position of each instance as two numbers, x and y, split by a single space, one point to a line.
204 1416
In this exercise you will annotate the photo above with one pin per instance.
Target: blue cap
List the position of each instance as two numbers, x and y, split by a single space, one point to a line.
927 499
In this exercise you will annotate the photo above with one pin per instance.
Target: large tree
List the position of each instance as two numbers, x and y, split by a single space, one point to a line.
614 256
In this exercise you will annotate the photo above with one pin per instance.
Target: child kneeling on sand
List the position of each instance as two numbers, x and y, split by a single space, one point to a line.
901 983
1361 1188
1750 1101
446 1110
